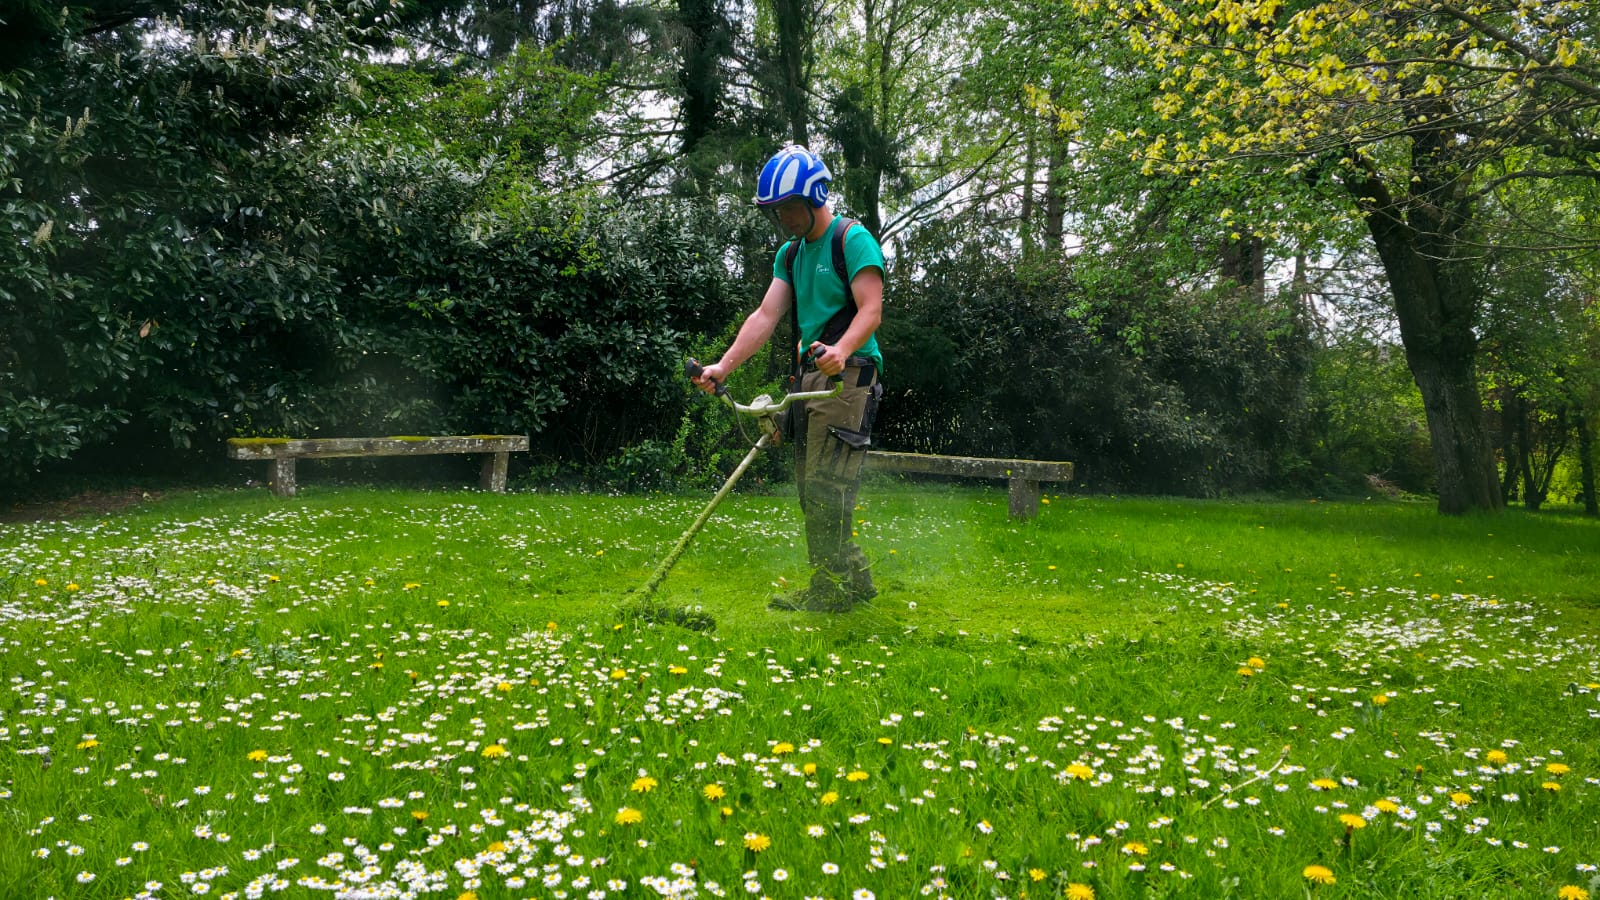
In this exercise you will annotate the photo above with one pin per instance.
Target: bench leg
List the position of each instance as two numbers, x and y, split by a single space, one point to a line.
280 474
1024 498
493 477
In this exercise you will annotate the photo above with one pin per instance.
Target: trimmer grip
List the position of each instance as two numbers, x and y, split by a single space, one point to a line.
694 370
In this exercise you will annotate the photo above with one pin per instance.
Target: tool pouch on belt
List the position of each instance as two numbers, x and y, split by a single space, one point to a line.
840 454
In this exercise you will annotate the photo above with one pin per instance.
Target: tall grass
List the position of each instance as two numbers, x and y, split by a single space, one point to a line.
390 693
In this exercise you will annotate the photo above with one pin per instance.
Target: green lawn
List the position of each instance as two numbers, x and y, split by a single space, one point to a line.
370 693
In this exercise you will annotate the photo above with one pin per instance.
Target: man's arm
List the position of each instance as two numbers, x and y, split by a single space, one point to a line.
756 331
867 289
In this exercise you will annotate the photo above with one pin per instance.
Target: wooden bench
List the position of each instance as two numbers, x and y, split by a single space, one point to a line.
280 453
1023 475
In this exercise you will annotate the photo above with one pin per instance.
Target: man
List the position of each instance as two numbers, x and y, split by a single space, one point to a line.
836 320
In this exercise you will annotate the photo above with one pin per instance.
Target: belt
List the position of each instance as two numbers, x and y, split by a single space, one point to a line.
810 365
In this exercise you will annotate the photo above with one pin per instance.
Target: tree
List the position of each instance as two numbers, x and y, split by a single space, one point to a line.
1410 117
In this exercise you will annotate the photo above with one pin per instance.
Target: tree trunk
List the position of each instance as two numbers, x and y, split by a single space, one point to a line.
1055 197
795 27
1508 443
1025 225
1530 486
1436 304
1591 503
704 44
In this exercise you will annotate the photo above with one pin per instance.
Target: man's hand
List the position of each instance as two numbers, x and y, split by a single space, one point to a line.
830 360
710 377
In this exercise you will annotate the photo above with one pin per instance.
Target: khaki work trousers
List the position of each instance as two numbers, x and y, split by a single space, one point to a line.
831 441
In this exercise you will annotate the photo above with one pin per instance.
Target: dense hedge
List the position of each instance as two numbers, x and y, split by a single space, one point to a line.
1151 390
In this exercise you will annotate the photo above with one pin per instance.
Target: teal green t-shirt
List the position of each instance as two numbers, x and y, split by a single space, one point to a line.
817 287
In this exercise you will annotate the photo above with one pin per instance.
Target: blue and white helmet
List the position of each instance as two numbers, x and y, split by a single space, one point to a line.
793 172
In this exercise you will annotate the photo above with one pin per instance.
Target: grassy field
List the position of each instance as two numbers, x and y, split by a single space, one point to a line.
366 693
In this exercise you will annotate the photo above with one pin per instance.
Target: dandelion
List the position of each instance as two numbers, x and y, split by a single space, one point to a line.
1079 891
1495 757
1352 821
1551 786
644 784
627 815
782 748
1388 806
678 670
756 843
256 756
1080 771
1324 784
1318 874
1256 662
1380 699
88 744
886 741
829 798
420 815
1558 769
494 751
41 582
809 768
1461 798
1572 892
410 586
1135 848
72 587
503 687
442 604
1246 672
1037 874
857 775
618 674
714 792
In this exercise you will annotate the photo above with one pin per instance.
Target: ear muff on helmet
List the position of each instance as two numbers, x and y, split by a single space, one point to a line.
793 171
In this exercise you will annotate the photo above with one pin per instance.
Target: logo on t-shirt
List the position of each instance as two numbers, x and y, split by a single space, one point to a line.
823 269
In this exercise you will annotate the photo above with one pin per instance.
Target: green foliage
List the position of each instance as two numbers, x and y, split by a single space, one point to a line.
1143 388
1365 418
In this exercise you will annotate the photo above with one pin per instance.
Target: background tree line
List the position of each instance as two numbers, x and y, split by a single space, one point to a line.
1194 247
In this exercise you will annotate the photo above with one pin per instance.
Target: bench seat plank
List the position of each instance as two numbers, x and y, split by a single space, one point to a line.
280 453
1023 475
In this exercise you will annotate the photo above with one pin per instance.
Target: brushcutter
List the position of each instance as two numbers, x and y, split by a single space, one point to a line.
765 411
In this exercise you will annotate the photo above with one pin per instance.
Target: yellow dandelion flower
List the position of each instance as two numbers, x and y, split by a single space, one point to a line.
886 741
1551 786
809 768
618 674
727 811
88 744
1246 672
1079 891
829 799
72 586
1496 757
1038 874
1572 892
1080 771
496 847
756 843
781 748
1461 798
714 792
627 815
1387 806
1353 821
678 670
857 775
550 626
1380 699
494 751
1318 875
420 815
442 604
41 582
1256 662
503 687
1135 848
467 895
1558 768
1324 784
644 784
411 586
256 756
